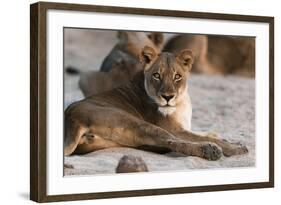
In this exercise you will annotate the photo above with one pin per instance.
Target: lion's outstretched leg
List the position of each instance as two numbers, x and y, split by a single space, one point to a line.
228 148
124 129
134 132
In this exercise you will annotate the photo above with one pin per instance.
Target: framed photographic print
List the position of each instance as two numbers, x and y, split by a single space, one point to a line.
134 102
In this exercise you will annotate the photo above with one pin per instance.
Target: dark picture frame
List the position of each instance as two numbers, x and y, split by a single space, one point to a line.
38 101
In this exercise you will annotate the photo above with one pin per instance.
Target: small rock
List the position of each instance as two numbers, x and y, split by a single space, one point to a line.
129 163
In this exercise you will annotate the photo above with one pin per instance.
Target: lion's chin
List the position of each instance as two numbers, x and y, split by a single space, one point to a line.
166 110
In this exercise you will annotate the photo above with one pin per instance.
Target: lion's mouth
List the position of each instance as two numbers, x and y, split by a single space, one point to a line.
165 106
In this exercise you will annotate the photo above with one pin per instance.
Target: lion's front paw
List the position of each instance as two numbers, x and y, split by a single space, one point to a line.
211 151
234 149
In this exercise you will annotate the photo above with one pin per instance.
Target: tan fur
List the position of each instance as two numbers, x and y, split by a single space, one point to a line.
94 82
121 64
218 54
131 116
197 43
133 42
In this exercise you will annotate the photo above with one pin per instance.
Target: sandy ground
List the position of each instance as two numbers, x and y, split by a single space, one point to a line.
225 105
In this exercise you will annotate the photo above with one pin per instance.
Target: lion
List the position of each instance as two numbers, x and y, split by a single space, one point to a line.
121 64
231 55
121 67
195 42
217 54
153 109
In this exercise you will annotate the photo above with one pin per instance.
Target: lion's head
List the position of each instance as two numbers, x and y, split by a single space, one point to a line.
166 76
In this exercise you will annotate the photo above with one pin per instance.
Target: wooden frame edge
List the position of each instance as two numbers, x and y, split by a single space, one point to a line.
271 101
38 101
33 102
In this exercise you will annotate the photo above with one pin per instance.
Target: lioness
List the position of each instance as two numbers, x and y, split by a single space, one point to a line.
217 54
123 68
121 64
153 109
131 43
195 42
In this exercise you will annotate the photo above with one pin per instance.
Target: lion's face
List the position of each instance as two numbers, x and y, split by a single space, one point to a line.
166 76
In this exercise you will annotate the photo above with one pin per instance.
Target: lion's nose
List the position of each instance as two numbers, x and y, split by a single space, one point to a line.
167 97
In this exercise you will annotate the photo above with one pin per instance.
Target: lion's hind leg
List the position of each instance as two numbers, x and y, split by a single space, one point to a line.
73 133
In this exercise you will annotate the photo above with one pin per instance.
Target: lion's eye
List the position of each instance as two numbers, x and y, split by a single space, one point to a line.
156 76
177 77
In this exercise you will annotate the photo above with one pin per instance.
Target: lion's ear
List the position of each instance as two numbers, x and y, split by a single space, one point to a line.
147 55
186 58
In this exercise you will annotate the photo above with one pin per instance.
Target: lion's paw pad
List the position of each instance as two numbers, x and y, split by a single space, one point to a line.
211 152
